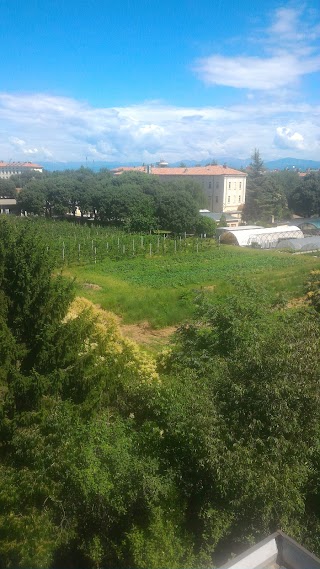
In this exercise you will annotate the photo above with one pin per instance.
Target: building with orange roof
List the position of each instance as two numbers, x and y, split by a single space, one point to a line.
225 187
8 169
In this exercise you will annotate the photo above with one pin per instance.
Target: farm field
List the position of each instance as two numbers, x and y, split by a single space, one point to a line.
151 282
161 290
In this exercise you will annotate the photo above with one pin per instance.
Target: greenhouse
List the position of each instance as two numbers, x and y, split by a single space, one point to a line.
302 244
261 238
309 226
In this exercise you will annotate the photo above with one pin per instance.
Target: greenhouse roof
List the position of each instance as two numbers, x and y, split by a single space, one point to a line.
315 221
264 237
300 244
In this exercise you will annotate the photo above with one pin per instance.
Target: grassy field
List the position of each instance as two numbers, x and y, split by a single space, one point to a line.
161 289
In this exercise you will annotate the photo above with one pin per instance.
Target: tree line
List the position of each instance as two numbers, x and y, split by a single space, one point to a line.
279 194
111 459
133 201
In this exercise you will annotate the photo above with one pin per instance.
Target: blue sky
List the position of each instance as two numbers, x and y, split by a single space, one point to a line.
139 80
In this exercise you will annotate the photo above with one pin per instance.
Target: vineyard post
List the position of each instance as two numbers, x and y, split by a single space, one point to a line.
150 248
79 249
95 255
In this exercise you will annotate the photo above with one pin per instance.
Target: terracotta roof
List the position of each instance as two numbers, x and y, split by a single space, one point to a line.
19 165
192 171
129 169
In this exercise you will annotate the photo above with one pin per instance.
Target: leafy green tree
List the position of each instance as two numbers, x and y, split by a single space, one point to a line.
264 200
258 370
305 200
7 189
176 212
206 226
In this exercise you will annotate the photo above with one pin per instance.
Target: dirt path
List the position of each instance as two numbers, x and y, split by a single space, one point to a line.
145 335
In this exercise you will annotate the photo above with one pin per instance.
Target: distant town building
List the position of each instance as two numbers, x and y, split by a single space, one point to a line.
225 187
8 169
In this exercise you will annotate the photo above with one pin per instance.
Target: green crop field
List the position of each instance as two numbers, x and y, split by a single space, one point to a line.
162 289
156 278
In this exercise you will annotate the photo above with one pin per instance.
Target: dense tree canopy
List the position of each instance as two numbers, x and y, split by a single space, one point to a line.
305 199
266 195
132 200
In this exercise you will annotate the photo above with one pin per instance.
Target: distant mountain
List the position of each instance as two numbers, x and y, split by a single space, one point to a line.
93 165
231 161
298 163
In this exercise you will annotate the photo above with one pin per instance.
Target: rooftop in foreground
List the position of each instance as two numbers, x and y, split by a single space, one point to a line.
278 551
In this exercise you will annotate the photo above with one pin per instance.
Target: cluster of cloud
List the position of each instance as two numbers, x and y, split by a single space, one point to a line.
52 128
289 48
64 129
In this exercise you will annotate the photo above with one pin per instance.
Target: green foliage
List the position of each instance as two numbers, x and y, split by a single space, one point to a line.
104 463
258 369
133 201
206 226
256 164
266 195
305 200
7 189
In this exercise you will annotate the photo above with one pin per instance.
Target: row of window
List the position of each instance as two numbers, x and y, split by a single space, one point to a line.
229 185
234 199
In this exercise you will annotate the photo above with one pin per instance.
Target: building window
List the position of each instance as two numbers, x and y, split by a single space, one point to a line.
217 184
228 199
240 184
229 185
239 199
209 185
217 199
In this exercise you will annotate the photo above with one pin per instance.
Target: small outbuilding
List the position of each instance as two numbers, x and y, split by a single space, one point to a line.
261 237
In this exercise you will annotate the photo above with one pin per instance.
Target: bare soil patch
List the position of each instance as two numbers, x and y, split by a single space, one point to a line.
144 334
92 286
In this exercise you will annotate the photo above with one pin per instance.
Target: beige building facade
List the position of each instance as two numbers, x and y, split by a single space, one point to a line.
224 187
8 169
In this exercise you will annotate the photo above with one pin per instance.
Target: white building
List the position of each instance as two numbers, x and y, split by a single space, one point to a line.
224 187
8 169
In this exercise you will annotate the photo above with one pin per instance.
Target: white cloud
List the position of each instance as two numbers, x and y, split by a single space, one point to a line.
286 138
60 129
255 72
289 53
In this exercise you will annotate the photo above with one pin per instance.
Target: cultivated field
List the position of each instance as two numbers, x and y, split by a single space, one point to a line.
161 290
151 282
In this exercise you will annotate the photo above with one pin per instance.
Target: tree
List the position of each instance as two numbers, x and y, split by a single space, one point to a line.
305 200
69 381
262 396
265 199
7 189
256 164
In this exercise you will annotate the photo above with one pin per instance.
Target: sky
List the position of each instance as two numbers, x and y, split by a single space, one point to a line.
143 80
